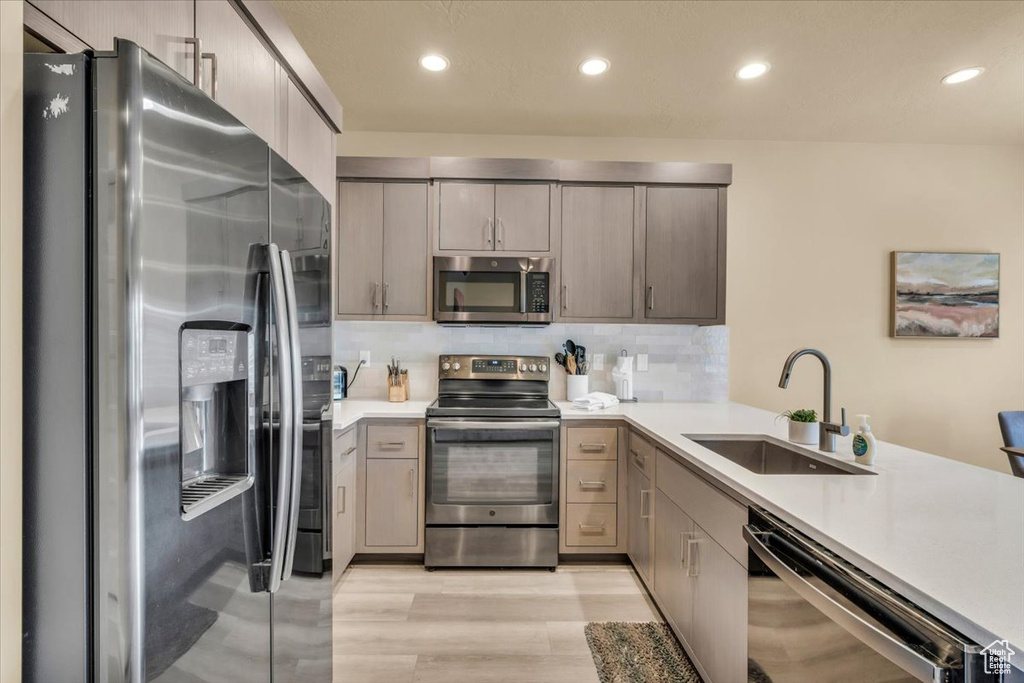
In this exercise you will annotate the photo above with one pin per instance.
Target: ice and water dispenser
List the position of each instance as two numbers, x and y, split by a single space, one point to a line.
217 421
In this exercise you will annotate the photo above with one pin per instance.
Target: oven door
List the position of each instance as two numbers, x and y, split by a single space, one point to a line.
483 472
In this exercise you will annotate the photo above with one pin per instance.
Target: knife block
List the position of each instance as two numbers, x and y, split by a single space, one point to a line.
399 393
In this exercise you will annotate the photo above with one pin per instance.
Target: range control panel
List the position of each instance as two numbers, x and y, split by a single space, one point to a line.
494 367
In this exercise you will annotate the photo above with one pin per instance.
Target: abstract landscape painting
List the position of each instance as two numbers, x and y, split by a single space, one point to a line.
945 295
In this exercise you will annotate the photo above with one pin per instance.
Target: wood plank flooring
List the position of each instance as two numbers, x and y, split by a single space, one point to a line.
402 624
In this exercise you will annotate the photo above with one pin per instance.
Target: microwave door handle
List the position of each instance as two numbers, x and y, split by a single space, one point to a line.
296 430
891 648
285 385
522 291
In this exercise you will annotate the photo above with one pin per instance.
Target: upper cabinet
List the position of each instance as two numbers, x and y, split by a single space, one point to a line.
597 252
685 254
309 139
165 29
475 216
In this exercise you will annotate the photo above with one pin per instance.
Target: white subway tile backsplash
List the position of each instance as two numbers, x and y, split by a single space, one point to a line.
687 363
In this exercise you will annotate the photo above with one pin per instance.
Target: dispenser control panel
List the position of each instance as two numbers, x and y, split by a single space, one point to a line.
212 356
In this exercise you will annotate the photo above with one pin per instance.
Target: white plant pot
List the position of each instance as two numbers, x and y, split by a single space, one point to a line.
803 432
576 386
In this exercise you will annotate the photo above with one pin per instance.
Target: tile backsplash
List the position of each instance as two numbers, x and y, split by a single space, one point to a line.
686 362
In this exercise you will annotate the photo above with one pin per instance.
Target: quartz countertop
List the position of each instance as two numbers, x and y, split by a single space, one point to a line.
946 535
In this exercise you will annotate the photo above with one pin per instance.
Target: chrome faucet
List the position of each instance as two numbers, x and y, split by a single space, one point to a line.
826 430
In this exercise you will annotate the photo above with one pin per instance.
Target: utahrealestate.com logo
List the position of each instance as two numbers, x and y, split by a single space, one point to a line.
997 657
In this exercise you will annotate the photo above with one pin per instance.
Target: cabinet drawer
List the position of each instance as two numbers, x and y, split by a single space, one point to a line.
592 443
344 447
590 481
392 441
590 525
641 454
716 513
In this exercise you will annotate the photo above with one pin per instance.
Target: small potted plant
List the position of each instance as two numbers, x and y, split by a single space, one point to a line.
803 425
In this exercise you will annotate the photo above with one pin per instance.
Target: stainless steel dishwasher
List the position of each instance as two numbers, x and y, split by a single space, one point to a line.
812 616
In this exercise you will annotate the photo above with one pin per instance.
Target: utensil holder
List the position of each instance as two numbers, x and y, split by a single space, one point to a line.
576 386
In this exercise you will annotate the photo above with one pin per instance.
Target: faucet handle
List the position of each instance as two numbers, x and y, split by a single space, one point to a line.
843 413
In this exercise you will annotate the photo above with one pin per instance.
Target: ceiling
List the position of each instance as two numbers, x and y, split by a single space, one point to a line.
844 71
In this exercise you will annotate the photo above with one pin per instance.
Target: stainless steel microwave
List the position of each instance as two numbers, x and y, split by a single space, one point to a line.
482 289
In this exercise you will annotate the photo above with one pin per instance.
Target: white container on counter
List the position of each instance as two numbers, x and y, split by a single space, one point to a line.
576 386
803 432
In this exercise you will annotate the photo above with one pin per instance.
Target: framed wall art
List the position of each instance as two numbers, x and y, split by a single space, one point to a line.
945 295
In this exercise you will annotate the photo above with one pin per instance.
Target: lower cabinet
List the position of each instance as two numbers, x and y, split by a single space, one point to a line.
638 521
343 502
719 636
673 582
392 502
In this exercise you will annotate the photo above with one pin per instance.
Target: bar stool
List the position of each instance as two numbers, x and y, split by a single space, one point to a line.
1011 424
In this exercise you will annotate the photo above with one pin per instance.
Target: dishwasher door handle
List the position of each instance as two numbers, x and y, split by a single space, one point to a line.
891 648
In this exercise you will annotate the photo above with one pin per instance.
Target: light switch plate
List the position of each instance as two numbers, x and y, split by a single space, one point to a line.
598 361
641 362
364 357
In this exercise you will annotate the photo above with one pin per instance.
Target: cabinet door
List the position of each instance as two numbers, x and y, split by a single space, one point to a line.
406 243
597 252
344 523
522 217
466 216
638 521
719 611
673 529
246 71
360 244
310 142
391 502
160 28
682 253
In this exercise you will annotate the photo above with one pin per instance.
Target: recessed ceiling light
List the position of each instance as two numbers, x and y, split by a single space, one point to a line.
434 62
962 75
594 66
753 70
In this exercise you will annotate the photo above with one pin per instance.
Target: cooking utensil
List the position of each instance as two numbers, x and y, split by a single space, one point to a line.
570 364
570 347
560 359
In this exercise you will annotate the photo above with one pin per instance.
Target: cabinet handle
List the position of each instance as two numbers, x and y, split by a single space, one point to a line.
641 461
500 233
385 296
592 484
489 230
197 65
592 527
390 444
340 499
212 56
350 451
412 483
650 298
682 548
565 297
692 557
644 494
593 446
373 296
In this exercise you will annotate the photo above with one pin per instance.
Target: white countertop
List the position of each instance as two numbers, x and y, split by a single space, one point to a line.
946 535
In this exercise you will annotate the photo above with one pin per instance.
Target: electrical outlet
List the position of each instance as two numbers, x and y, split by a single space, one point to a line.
364 357
598 359
641 362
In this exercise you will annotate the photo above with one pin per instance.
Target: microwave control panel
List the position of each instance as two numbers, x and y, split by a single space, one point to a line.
537 293
494 367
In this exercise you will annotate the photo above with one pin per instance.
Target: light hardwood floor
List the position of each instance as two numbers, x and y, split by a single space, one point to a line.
402 624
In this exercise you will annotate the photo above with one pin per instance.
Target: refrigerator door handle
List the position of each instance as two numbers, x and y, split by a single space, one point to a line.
296 430
286 383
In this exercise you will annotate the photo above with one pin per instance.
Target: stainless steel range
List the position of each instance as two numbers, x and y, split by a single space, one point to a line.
492 464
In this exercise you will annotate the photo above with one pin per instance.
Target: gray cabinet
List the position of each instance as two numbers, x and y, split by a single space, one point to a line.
310 146
161 28
684 243
392 506
673 580
383 249
494 216
638 521
239 71
343 502
719 610
597 252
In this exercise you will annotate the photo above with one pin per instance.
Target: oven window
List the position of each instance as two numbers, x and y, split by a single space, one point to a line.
475 292
500 467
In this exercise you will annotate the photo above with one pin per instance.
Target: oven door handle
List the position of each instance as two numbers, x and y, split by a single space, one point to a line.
885 644
476 425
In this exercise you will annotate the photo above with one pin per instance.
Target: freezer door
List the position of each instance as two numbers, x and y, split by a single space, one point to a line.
300 227
181 224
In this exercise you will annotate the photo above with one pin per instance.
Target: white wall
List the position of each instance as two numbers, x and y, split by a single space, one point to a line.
811 226
10 339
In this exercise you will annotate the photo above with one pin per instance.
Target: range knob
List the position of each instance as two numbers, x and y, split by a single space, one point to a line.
522 368
543 368
457 367
446 366
533 367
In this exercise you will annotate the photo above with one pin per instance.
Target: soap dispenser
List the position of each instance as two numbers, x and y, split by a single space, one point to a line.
864 442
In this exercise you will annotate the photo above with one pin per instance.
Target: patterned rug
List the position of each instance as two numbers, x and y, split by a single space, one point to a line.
643 652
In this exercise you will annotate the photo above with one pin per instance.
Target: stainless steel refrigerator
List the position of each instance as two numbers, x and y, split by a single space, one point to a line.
177 305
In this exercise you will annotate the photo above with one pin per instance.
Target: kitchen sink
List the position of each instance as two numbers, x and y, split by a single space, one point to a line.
767 455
